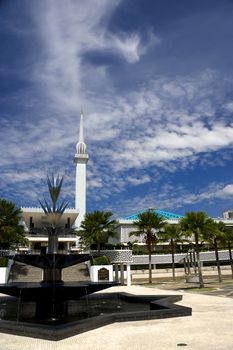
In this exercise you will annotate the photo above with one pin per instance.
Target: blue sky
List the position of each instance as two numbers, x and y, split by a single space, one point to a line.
155 80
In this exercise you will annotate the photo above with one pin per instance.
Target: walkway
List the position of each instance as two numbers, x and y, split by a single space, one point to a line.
209 328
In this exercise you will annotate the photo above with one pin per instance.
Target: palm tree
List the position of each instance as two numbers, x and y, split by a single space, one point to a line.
97 227
228 239
174 235
149 224
11 232
197 224
214 236
54 212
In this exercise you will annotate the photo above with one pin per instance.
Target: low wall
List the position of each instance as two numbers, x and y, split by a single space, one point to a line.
208 256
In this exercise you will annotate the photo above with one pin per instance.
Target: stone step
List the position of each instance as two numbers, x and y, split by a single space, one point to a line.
77 272
25 273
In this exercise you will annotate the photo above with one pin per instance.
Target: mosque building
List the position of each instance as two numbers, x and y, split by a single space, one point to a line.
34 218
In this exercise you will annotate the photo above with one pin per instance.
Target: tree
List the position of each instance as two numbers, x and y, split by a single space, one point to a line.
149 224
197 224
97 227
11 232
228 239
54 212
174 235
214 236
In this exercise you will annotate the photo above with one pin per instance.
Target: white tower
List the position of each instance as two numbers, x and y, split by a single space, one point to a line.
80 159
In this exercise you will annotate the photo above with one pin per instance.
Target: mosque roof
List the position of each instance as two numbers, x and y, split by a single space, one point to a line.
163 214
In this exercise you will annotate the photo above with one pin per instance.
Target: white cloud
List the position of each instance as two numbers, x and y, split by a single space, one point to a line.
169 146
130 46
68 32
95 183
173 89
226 191
138 180
15 176
229 106
127 46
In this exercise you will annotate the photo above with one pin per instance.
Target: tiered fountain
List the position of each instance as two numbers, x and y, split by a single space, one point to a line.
54 310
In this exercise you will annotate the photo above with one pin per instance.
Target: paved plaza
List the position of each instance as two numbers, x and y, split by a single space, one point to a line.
209 328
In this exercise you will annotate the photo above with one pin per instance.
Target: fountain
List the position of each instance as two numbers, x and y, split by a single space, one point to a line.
51 295
53 309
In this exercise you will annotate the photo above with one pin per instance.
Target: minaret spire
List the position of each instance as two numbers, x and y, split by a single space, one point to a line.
80 159
81 146
81 133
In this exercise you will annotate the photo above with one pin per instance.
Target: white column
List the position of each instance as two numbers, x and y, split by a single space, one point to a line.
122 274
128 276
80 192
116 272
81 158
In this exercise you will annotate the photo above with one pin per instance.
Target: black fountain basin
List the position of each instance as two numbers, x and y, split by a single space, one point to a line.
60 292
87 313
51 299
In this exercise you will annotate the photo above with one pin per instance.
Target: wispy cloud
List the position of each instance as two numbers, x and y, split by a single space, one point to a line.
138 180
68 32
131 47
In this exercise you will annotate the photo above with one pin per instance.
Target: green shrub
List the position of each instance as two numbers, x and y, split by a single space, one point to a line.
109 246
100 260
119 245
3 261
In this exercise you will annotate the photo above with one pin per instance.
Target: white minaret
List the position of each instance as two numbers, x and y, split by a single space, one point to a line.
80 159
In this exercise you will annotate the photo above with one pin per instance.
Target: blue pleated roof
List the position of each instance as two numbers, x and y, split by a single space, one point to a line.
163 214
